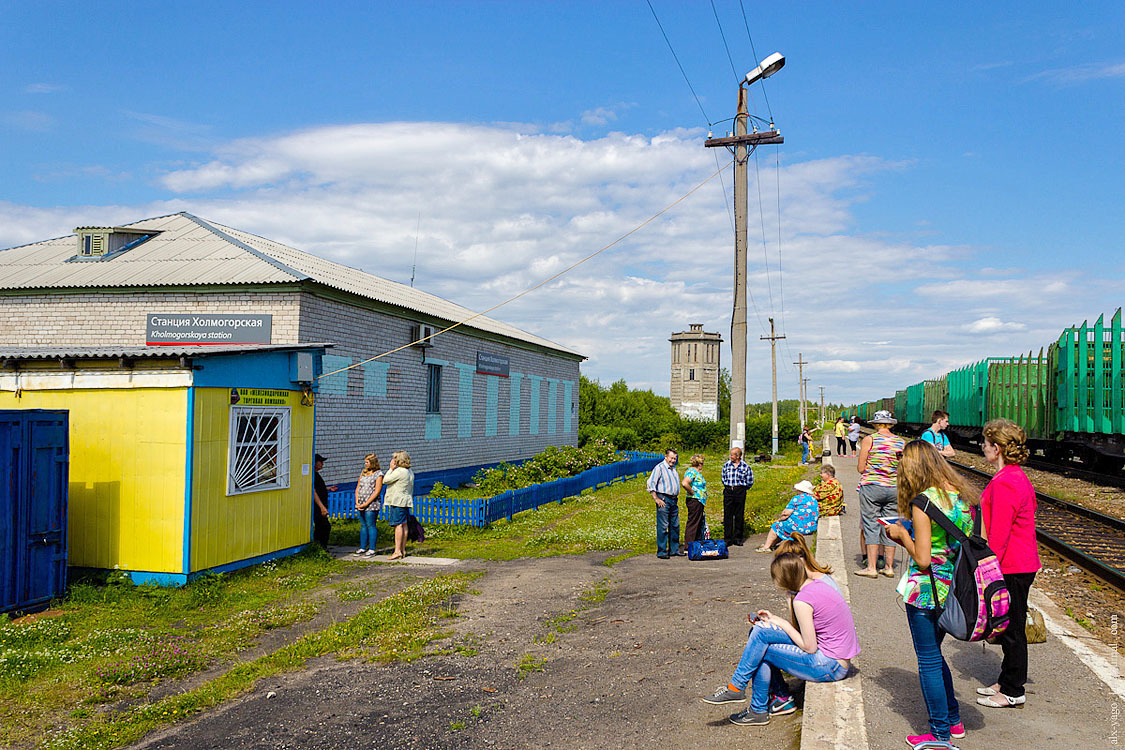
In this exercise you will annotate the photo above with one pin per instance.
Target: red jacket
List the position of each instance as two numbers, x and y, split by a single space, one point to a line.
1008 504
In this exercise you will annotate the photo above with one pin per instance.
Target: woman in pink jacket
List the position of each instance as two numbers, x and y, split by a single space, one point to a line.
1008 504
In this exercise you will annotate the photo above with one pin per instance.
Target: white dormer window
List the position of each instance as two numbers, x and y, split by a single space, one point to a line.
100 242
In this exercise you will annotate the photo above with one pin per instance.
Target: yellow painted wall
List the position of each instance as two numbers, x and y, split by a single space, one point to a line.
226 529
128 449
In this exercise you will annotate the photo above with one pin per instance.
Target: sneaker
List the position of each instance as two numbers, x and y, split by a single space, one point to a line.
663 557
369 553
749 718
781 706
1002 701
360 551
726 695
928 742
957 731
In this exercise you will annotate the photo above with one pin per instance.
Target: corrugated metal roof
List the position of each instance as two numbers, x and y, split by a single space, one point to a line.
136 352
189 251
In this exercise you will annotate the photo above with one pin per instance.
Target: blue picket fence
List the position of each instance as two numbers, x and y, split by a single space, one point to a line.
482 511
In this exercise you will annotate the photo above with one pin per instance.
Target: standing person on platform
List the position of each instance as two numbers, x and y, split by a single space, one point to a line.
932 554
664 486
805 440
322 527
1008 507
738 477
879 454
367 503
841 437
399 499
853 434
696 500
935 434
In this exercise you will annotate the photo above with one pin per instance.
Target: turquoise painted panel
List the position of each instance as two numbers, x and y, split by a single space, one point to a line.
465 400
335 385
491 404
375 379
433 427
552 405
533 413
568 403
515 384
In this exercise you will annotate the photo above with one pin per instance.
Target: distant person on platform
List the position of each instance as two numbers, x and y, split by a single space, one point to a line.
841 431
664 485
322 528
853 435
935 434
805 441
738 477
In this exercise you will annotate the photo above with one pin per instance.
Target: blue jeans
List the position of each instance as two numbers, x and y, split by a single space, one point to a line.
668 526
804 453
933 672
367 532
769 650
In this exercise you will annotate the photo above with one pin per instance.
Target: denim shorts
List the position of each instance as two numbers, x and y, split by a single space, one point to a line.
395 515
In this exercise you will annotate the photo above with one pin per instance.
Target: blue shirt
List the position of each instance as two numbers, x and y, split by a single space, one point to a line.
664 480
936 439
738 475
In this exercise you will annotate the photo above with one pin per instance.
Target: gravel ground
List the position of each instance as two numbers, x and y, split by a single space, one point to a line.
625 671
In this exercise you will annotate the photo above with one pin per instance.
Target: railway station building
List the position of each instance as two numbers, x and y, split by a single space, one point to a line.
480 394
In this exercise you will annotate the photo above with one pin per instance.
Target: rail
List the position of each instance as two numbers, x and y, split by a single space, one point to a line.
482 511
1058 515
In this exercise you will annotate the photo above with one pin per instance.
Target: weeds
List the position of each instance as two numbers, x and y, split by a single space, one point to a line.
529 663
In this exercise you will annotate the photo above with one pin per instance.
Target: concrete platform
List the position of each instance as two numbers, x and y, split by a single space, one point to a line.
348 553
1074 687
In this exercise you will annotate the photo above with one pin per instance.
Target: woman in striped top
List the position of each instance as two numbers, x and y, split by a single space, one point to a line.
879 454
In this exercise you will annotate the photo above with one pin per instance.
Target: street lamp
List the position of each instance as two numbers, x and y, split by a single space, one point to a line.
740 141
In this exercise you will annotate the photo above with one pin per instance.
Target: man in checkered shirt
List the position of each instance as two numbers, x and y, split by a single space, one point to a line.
737 478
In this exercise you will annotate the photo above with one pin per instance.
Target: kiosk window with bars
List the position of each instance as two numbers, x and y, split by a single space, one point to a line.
259 449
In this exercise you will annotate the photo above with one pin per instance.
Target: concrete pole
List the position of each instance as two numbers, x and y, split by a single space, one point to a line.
801 387
773 365
822 404
738 319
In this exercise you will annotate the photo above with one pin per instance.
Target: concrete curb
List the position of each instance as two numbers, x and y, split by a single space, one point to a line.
833 716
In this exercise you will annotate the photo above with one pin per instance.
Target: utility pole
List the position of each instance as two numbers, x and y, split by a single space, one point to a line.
743 143
801 362
773 366
805 398
822 404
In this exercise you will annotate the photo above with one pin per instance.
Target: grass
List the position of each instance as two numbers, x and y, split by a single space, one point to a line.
396 628
529 663
619 517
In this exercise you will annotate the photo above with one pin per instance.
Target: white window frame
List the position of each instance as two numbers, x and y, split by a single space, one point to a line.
243 456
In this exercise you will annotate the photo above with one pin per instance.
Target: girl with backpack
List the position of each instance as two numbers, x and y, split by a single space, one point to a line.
817 643
922 471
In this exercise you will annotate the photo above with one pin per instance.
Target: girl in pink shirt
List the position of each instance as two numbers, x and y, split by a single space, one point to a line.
1008 504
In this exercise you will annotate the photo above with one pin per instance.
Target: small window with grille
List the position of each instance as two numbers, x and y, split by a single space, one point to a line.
258 456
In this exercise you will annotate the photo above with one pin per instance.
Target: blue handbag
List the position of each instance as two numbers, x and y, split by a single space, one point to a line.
711 549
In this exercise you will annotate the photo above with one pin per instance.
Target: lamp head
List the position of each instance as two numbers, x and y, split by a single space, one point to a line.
766 68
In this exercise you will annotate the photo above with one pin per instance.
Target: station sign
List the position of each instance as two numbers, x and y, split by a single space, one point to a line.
259 397
170 329
492 364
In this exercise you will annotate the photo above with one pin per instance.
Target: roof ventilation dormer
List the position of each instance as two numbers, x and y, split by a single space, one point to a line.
102 242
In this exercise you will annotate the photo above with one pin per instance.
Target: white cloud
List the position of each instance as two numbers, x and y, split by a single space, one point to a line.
1081 73
992 324
502 207
43 88
30 120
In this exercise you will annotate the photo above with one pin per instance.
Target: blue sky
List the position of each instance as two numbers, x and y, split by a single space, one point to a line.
949 186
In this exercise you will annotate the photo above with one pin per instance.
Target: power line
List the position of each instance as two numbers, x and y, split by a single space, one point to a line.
531 289
780 271
762 219
730 217
724 36
677 59
754 52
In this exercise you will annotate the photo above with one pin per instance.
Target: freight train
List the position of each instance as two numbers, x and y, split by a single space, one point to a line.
1068 397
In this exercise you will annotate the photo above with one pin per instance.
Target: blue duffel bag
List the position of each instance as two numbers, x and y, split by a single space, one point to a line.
711 549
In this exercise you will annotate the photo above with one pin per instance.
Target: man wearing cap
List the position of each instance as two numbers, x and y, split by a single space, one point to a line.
322 528
664 486
738 477
800 516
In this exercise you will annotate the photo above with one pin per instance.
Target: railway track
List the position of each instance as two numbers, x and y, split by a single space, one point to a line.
1077 472
1092 540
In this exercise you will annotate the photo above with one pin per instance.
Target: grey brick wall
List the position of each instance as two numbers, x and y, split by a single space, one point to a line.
377 411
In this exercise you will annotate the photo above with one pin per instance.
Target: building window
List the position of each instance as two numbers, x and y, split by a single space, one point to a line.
691 374
433 389
258 456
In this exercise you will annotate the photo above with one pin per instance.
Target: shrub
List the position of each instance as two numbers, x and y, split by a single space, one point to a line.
553 463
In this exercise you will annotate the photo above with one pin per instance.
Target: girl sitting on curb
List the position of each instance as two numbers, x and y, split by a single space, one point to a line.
818 644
